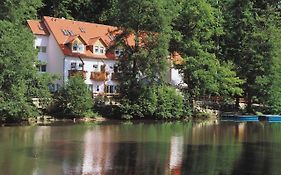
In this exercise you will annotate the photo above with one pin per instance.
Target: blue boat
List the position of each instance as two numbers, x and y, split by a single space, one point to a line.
270 118
240 117
247 117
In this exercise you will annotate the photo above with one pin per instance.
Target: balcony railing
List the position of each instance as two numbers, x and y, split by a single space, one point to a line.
77 72
99 76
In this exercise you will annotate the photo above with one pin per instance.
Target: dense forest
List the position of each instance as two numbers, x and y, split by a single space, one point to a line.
230 49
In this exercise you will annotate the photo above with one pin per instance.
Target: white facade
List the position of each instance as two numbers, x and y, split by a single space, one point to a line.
93 65
59 64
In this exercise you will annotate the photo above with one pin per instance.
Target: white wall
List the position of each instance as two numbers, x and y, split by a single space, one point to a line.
55 59
40 41
88 67
176 77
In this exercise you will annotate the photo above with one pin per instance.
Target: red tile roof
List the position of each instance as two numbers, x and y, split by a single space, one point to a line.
176 58
88 32
37 27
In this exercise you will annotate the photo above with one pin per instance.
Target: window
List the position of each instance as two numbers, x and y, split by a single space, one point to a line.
75 47
73 66
65 33
96 49
101 49
90 87
98 88
43 49
70 32
111 37
80 48
40 27
42 68
96 67
82 29
102 68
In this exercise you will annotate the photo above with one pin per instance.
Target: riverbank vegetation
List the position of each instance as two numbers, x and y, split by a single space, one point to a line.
230 49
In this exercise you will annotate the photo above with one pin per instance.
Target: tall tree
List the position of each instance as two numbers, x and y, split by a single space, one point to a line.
148 23
19 79
248 44
198 28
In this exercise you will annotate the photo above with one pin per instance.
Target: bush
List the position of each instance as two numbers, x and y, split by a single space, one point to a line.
170 103
161 102
74 99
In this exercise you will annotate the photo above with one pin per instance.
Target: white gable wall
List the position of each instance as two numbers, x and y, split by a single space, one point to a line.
55 59
42 41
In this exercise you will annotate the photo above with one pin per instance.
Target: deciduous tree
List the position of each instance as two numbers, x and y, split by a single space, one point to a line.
198 26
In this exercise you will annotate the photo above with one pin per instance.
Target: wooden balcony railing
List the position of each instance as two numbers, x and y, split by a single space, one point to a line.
99 76
77 72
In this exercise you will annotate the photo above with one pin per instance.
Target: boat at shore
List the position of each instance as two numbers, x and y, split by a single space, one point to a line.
250 118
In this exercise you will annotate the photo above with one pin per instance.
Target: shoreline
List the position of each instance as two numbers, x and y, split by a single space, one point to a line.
47 119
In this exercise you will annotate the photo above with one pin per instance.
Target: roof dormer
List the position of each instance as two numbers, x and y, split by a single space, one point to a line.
76 43
98 45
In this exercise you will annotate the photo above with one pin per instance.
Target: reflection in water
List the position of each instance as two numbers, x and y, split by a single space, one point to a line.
98 151
144 148
176 155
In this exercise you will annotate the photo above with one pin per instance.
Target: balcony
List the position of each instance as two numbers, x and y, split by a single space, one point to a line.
99 76
114 76
77 72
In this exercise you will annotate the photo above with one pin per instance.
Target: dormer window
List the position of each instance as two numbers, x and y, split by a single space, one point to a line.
75 47
99 50
81 48
96 49
102 50
78 47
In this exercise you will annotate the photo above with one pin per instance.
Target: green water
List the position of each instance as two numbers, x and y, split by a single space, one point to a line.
150 148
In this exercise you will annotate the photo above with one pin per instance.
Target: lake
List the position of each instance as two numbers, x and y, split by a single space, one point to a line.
149 148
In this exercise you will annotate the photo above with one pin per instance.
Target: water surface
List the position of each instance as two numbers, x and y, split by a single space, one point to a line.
150 148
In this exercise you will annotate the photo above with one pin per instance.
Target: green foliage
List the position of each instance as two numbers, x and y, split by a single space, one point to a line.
18 11
83 10
159 102
19 79
169 104
198 28
248 43
270 83
145 61
74 99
